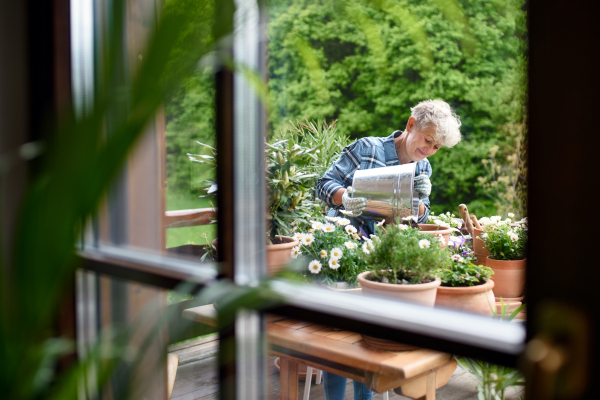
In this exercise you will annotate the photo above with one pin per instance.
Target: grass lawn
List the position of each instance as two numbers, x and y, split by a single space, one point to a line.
192 234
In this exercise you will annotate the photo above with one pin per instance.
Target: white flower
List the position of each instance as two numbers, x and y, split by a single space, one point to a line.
355 236
336 253
350 229
334 263
375 238
380 223
346 212
343 221
328 228
314 267
438 221
316 225
332 219
296 252
299 236
350 245
508 221
323 254
365 248
308 239
402 227
442 240
484 221
423 243
511 215
455 257
513 236
461 260
484 235
430 217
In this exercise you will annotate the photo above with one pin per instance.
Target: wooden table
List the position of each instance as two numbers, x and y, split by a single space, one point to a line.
413 374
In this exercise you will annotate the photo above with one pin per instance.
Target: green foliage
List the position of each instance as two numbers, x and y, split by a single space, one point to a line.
411 256
324 239
324 137
289 185
505 242
446 220
461 272
366 63
189 115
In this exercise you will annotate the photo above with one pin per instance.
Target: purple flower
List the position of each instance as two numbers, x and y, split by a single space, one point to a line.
456 241
464 253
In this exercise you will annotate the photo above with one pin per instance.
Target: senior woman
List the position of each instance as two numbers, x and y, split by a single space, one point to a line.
432 125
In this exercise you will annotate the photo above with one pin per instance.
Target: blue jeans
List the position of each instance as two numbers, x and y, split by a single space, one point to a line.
335 388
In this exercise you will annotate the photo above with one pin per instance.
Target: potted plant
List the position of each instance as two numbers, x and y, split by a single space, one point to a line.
507 258
289 187
402 266
331 251
465 286
440 225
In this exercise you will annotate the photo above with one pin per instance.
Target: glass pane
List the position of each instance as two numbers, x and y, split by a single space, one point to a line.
350 88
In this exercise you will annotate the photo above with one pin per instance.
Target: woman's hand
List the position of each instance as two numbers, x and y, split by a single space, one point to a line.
355 205
422 186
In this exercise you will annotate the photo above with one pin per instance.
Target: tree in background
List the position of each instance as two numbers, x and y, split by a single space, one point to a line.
367 63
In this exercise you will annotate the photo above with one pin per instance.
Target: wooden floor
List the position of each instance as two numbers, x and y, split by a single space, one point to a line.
197 378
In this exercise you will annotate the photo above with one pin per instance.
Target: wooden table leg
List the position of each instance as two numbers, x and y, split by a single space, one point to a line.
431 384
288 379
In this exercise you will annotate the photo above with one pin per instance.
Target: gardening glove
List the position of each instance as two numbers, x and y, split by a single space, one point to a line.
355 205
422 186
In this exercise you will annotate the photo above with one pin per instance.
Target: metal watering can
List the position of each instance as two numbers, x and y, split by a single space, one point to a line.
389 192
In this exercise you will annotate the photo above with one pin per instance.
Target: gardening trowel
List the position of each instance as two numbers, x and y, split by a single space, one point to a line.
464 212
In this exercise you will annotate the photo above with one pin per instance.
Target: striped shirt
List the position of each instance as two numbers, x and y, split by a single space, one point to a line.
365 153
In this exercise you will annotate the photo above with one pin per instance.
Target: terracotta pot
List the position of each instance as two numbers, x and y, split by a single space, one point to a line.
512 306
436 230
481 259
343 287
279 255
478 245
509 277
421 293
475 299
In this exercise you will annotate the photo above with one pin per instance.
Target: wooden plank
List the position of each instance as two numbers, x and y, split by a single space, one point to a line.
324 332
313 328
191 343
192 217
288 381
300 325
339 335
204 314
352 338
287 322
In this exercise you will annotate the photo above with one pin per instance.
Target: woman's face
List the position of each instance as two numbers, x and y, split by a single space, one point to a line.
420 143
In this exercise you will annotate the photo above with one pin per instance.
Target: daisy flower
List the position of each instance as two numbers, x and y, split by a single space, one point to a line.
350 245
316 225
314 267
380 223
350 229
343 221
323 254
328 228
332 219
423 243
365 248
355 236
334 263
296 252
402 227
511 215
299 236
346 212
375 238
336 253
308 239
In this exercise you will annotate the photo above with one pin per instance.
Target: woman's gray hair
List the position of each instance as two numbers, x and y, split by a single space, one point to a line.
439 115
